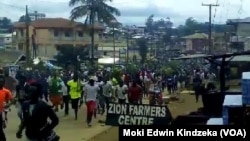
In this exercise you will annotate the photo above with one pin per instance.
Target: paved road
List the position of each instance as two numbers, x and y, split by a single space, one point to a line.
68 129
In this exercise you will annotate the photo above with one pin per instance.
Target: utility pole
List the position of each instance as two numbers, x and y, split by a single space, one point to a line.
27 36
36 15
127 51
210 25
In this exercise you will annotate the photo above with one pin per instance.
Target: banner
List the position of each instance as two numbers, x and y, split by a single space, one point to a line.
128 114
175 132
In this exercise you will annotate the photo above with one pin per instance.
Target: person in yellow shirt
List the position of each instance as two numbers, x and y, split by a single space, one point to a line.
75 92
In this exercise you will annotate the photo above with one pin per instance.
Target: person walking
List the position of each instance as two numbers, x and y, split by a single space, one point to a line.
36 113
65 102
107 92
75 91
122 90
90 94
55 86
134 93
5 100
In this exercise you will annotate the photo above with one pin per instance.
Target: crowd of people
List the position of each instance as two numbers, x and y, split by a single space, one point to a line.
39 95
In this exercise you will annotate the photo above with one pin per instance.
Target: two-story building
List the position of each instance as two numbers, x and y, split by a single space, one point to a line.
49 33
240 39
6 41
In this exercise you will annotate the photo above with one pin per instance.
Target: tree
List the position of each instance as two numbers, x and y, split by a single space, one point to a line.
67 54
191 26
92 10
5 22
5 25
150 24
143 49
23 19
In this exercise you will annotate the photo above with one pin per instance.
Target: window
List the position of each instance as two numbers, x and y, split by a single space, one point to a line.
56 33
80 34
20 47
21 32
67 34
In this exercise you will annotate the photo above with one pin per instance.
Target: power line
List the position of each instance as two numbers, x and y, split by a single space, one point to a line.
215 10
17 7
240 9
13 6
228 8
222 11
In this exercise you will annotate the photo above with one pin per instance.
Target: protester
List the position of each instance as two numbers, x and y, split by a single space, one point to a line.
75 91
90 94
65 101
21 93
197 85
121 91
5 101
10 83
134 93
45 86
35 118
55 85
107 92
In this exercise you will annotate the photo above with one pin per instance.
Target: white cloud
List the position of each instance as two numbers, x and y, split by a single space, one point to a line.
136 11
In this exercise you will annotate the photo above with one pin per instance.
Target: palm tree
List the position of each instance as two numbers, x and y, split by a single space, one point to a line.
93 10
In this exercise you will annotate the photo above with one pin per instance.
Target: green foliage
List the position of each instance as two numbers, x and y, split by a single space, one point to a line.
131 68
174 65
116 73
167 71
93 9
68 54
23 19
5 25
170 68
190 27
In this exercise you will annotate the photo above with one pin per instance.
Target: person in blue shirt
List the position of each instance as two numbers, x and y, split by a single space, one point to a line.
170 83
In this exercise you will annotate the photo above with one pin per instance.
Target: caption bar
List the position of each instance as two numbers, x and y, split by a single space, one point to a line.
221 132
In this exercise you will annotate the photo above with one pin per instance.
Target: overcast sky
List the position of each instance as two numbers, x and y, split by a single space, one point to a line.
136 11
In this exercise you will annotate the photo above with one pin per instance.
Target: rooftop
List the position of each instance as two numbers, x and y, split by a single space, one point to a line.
196 36
234 21
54 23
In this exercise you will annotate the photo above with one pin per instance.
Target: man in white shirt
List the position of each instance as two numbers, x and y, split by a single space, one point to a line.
65 94
107 92
90 94
121 91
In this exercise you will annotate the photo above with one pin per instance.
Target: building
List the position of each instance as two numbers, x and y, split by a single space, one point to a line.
48 33
196 43
240 38
136 30
6 41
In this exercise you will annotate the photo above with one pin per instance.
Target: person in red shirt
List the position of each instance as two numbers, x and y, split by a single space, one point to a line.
5 99
134 93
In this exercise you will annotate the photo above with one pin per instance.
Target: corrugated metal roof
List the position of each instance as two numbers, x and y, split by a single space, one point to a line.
243 58
110 48
196 36
246 20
